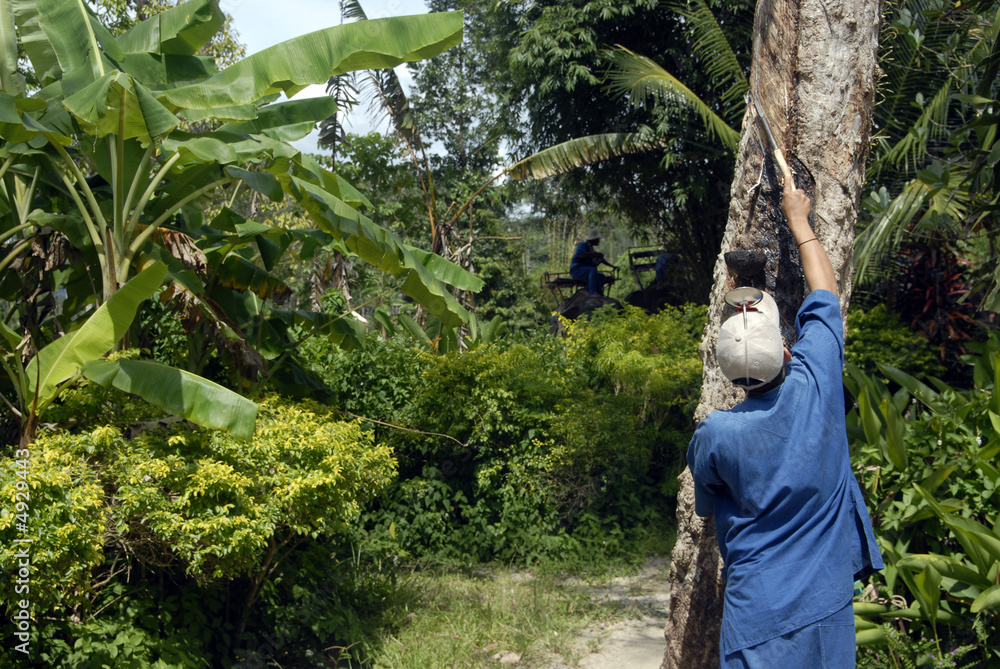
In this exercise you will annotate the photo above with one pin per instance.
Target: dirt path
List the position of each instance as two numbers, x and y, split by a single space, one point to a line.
636 643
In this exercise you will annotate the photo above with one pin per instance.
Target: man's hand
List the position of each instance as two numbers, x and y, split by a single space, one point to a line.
815 262
796 206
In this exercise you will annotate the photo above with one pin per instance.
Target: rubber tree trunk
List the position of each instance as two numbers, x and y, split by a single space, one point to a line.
814 72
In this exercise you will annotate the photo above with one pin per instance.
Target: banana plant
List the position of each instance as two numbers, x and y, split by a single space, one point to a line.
121 104
106 151
80 352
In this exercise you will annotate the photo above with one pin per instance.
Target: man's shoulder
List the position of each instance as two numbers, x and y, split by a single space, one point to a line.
820 305
724 421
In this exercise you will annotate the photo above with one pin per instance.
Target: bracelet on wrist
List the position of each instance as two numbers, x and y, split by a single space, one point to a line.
811 239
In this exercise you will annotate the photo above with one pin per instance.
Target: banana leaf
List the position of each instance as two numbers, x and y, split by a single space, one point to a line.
224 148
182 30
241 274
447 271
413 328
115 99
262 182
62 359
313 58
82 45
36 43
344 331
10 80
160 72
380 248
286 121
332 182
178 392
12 128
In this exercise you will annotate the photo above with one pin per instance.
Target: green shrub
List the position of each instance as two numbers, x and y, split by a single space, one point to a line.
328 601
187 504
554 448
138 628
877 336
375 380
926 457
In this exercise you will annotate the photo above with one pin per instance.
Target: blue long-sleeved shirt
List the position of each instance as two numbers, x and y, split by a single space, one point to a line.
579 260
775 471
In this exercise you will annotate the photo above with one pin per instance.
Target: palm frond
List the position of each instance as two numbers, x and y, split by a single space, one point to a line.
643 80
918 206
712 48
382 88
580 152
911 150
351 9
388 100
343 90
916 36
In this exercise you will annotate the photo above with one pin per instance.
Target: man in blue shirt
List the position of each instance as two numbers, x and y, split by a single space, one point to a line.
586 259
775 472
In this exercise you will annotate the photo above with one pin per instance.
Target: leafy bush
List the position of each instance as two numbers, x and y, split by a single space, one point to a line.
187 504
877 336
926 457
549 448
138 628
375 380
901 650
328 601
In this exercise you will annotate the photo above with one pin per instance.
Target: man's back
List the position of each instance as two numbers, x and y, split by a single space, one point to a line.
775 472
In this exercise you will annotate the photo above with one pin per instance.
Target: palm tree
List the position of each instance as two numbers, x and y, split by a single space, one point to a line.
931 172
685 122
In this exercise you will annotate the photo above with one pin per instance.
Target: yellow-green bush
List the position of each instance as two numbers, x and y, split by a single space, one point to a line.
64 522
185 499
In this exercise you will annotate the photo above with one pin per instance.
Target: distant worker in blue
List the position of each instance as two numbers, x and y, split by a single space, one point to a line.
775 472
665 262
585 262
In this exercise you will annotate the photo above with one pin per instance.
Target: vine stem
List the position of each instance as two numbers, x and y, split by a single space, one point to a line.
400 427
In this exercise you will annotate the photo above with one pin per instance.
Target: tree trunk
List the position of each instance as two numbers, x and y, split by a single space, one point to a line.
814 72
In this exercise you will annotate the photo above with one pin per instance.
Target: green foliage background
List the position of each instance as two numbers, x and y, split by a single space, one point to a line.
558 449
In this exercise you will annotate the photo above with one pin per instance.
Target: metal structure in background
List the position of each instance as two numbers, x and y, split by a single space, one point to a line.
642 259
561 283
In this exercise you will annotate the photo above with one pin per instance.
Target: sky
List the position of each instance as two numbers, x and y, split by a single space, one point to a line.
264 23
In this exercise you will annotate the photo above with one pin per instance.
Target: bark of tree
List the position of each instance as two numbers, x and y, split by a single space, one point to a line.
814 73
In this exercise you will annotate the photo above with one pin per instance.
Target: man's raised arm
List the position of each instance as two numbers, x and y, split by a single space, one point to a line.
815 262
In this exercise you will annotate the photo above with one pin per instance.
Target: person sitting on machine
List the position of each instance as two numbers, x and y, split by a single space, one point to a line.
585 262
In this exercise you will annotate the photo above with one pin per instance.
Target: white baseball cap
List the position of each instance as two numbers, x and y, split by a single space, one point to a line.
750 350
